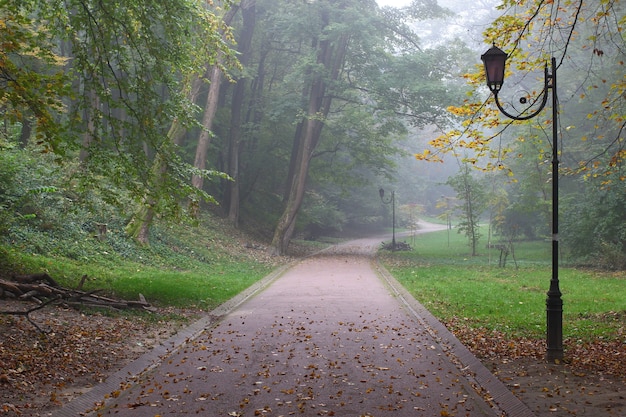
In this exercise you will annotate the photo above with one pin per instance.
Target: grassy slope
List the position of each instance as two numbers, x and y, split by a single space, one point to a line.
184 266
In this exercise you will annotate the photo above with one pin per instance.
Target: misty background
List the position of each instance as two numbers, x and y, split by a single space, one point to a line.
287 118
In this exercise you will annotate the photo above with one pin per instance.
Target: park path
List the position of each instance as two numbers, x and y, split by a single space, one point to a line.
332 335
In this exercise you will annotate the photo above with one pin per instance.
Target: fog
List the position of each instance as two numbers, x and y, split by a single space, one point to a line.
393 3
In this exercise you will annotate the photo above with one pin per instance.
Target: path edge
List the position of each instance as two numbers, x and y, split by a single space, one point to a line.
482 380
93 400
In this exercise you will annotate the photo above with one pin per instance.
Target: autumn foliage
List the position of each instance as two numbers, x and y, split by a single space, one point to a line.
586 39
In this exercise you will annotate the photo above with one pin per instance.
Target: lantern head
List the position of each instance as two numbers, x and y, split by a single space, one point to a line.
494 60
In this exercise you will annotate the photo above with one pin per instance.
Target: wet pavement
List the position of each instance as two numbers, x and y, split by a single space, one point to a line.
332 335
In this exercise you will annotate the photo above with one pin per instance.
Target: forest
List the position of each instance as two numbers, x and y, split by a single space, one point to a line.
286 117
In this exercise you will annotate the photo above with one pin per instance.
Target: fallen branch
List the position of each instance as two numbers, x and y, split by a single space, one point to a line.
44 290
26 313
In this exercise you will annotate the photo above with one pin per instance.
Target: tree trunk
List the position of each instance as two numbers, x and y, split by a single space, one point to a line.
27 128
204 139
139 227
90 130
331 56
248 11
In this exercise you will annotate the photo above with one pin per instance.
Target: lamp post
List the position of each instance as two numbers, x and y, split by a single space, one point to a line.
391 200
494 60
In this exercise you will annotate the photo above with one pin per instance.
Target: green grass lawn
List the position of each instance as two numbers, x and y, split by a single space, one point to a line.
451 283
205 266
204 286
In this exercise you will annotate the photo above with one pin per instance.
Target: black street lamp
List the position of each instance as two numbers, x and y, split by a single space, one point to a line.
391 200
494 60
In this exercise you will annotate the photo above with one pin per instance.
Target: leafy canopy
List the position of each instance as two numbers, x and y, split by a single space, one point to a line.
32 81
586 38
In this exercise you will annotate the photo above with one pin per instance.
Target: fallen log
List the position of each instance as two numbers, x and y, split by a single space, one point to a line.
29 279
10 287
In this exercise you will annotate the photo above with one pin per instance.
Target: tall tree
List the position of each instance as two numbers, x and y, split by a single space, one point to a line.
331 54
351 63
244 47
166 158
214 71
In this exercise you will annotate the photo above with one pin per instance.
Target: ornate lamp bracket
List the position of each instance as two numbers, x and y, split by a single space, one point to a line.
548 84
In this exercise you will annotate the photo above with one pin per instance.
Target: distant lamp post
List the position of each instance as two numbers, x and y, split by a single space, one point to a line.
495 60
391 200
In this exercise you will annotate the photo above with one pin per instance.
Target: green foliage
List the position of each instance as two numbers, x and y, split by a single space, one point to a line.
117 78
192 275
28 194
594 226
529 211
321 217
385 82
109 79
32 78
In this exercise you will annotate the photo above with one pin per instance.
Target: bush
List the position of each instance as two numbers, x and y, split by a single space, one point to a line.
40 210
594 227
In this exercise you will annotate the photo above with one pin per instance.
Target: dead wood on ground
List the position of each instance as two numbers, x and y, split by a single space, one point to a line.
44 290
